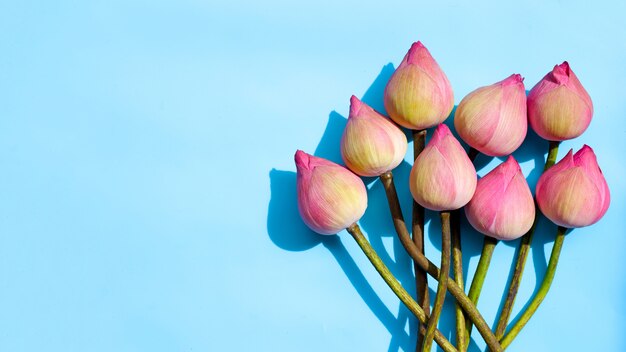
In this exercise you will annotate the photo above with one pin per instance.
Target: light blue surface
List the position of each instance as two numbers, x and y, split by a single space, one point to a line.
147 190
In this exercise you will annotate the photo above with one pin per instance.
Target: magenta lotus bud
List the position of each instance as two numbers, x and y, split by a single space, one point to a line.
418 95
443 177
574 193
559 108
330 197
371 144
502 206
493 119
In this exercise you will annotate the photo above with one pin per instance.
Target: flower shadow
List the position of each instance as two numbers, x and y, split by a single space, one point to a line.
287 230
330 143
284 224
377 223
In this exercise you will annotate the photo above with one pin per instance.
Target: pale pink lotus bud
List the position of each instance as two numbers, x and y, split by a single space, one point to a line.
574 193
330 197
502 206
559 107
442 177
493 119
418 94
371 144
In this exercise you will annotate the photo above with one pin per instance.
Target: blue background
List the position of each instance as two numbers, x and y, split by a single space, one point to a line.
148 188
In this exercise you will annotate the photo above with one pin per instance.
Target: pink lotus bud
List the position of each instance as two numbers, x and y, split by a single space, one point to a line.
443 177
418 94
502 206
574 193
371 144
493 119
330 197
559 108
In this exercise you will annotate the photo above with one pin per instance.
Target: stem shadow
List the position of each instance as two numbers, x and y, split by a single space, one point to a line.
287 231
394 325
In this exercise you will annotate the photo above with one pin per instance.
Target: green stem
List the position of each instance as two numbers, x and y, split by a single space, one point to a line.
462 325
553 151
543 289
421 278
395 286
522 255
457 292
443 282
489 244
472 154
457 266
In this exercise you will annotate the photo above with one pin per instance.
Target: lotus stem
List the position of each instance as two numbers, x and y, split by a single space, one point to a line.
457 268
421 278
522 255
457 292
395 285
489 244
541 293
442 286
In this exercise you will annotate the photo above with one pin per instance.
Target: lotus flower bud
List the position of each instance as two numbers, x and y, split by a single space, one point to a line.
559 108
418 94
442 177
574 193
493 119
502 206
330 197
371 144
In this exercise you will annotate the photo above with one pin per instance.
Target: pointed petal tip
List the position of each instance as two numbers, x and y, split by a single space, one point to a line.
513 79
355 106
569 155
302 160
416 51
512 163
561 73
511 160
510 167
585 154
565 163
564 66
441 131
442 128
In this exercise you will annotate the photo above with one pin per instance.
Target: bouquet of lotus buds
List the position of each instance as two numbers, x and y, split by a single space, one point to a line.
492 120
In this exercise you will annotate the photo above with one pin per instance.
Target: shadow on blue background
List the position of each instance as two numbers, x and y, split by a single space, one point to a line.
288 231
